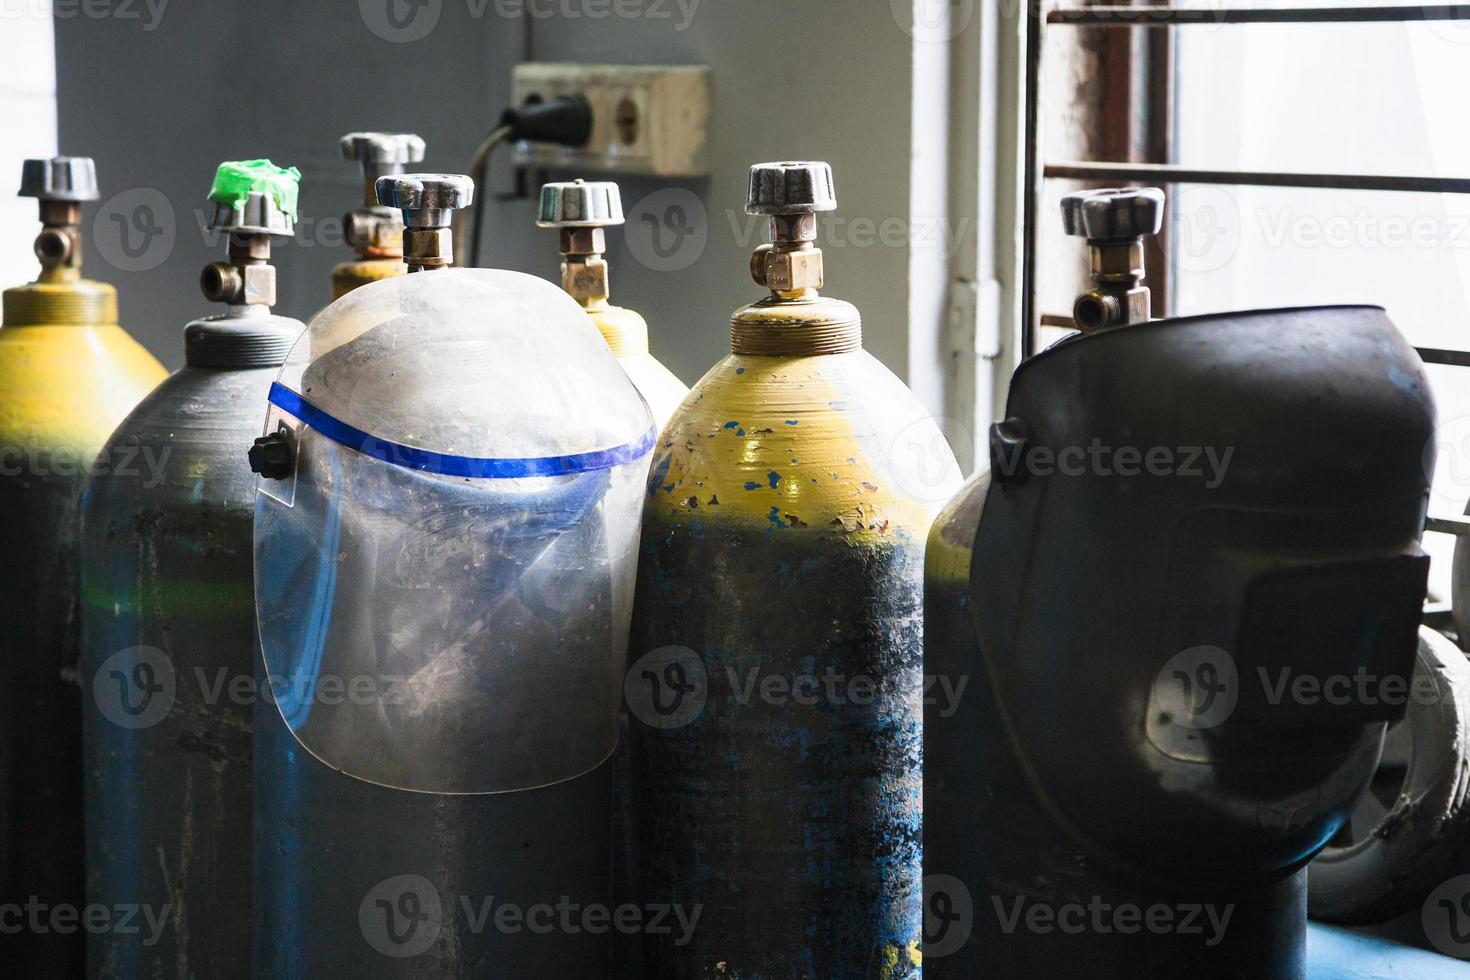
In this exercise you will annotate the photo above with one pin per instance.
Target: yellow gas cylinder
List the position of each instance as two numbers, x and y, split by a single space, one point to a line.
776 653
69 374
580 210
376 232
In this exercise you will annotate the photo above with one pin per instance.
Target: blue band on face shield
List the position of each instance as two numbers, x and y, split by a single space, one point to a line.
465 466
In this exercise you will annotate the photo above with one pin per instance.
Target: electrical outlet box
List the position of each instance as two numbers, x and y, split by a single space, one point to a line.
646 119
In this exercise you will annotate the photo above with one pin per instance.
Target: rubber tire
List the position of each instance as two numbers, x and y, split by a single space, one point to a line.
1425 837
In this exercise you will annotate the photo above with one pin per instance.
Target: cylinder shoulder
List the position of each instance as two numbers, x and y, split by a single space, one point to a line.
192 433
624 330
663 391
831 442
347 276
71 385
951 549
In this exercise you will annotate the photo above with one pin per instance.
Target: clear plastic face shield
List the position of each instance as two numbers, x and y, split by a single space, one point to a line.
445 558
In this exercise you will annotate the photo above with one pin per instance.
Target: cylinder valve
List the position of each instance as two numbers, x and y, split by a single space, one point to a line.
791 194
428 202
60 185
579 210
1114 222
251 200
372 229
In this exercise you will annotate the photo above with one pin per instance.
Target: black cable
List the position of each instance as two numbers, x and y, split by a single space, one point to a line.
565 120
479 170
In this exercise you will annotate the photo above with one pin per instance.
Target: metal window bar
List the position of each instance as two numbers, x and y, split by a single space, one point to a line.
1139 16
1147 16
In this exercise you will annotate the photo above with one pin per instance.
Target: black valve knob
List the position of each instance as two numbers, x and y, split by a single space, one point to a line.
271 456
59 179
790 188
1114 215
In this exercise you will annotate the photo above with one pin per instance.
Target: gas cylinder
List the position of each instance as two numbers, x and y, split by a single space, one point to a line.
374 231
168 620
1176 515
580 210
69 374
446 533
775 677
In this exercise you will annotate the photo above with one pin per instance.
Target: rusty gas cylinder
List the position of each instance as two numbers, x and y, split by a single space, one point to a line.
775 676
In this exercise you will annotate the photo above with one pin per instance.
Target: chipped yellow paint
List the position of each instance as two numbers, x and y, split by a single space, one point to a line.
792 477
950 553
347 276
890 961
899 961
626 333
819 438
68 374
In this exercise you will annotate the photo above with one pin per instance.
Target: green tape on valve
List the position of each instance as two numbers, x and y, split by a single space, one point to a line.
236 180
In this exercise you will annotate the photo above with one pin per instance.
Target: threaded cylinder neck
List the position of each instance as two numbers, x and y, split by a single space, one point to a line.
77 302
796 328
236 343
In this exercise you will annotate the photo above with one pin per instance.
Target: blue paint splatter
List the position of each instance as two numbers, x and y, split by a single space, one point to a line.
660 471
750 485
775 517
731 425
791 422
774 479
740 432
740 370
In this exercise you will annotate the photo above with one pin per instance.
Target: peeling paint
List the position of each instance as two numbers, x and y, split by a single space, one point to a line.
797 826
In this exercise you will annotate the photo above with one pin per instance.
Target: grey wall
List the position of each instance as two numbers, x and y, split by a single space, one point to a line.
159 106
217 80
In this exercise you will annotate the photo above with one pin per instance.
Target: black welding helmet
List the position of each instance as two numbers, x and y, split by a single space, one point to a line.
1197 578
